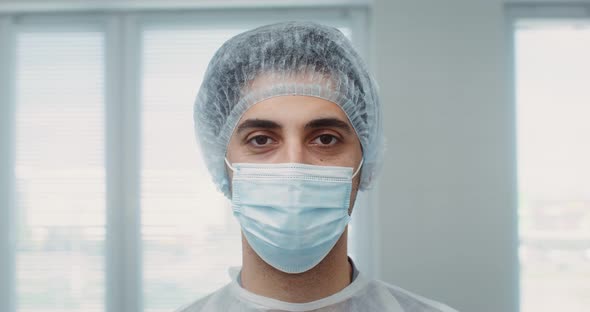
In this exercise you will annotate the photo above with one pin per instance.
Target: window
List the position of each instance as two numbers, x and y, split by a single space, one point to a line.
186 223
59 172
113 207
553 105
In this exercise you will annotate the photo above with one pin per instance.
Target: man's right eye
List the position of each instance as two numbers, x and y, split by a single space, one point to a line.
261 140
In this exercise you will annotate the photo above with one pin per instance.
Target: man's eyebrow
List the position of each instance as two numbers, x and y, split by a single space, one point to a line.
328 123
257 123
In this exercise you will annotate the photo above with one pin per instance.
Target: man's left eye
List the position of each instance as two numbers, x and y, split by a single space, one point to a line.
325 139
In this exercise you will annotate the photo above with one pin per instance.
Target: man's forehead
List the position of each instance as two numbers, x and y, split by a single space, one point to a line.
295 109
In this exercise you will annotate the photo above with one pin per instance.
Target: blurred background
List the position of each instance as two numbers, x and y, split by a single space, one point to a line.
483 202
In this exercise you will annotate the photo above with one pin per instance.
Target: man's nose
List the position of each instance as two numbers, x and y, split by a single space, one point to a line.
293 151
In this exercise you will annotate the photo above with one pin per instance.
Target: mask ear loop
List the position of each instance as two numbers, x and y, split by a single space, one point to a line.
227 163
359 168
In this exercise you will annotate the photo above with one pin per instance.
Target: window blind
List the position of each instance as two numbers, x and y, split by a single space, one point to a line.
59 171
553 75
190 236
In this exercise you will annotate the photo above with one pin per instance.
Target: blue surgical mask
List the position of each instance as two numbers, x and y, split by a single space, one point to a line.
291 214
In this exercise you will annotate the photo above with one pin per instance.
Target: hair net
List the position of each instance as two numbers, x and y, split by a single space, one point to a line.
292 58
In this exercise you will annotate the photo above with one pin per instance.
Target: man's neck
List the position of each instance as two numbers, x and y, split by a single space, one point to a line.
330 276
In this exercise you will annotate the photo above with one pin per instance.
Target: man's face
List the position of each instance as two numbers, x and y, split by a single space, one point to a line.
296 129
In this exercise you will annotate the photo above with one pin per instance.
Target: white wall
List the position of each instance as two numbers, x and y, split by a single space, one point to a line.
447 192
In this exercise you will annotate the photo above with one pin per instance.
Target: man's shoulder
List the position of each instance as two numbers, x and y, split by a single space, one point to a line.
411 302
408 301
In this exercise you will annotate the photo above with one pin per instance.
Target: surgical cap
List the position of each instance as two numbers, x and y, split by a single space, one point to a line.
292 58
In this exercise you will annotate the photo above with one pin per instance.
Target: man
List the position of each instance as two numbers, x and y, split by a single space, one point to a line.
289 123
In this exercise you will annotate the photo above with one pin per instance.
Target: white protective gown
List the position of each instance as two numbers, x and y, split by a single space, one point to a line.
361 295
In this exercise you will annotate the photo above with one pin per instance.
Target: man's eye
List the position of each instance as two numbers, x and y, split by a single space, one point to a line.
261 140
325 139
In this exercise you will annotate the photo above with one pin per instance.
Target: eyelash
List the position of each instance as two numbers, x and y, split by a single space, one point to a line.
334 140
253 139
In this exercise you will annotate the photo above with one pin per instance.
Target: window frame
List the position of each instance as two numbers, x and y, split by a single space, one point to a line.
7 147
515 15
122 73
